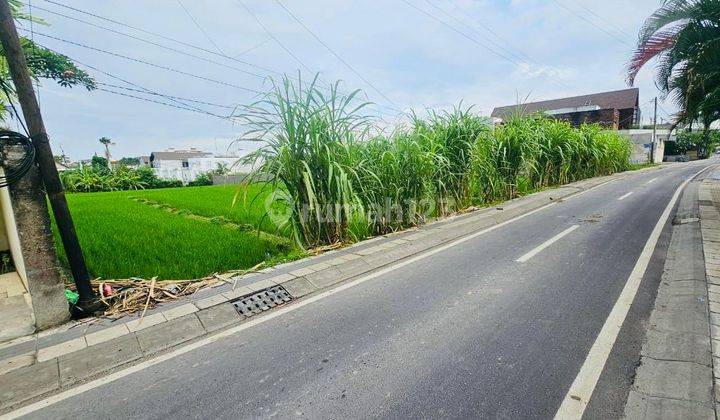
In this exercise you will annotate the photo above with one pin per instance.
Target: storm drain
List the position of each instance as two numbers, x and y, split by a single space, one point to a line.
262 301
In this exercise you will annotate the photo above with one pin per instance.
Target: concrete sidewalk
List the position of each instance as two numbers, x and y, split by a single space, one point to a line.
46 362
674 378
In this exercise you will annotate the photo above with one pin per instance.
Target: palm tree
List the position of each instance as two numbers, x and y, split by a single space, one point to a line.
107 143
684 35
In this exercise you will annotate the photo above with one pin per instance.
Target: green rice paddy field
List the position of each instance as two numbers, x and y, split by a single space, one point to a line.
175 233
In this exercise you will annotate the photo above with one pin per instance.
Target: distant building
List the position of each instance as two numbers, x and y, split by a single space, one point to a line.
186 165
65 166
618 110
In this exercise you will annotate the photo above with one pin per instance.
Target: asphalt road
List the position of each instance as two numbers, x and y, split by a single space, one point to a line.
467 332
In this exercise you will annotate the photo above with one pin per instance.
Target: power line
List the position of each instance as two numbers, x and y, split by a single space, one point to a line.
180 42
254 47
461 33
475 41
159 66
327 47
147 92
520 54
487 28
296 58
162 103
617 28
151 43
197 24
271 35
144 89
578 15
165 37
444 12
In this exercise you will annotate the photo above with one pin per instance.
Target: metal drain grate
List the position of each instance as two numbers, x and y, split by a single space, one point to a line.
262 301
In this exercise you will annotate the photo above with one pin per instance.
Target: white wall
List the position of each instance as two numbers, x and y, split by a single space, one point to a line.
642 144
173 169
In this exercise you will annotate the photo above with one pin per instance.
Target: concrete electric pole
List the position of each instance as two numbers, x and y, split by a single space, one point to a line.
44 156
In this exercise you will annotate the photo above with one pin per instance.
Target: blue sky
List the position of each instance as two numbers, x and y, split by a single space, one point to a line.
541 49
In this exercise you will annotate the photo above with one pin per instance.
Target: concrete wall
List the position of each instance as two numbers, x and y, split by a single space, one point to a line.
235 179
642 141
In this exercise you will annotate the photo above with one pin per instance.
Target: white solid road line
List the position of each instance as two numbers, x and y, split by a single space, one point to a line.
77 390
578 396
546 244
625 196
651 181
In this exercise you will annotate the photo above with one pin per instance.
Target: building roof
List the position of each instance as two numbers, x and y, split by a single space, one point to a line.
178 154
617 99
61 166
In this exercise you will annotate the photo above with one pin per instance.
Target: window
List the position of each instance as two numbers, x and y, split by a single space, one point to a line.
185 164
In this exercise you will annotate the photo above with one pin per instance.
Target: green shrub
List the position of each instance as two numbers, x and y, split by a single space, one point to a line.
92 179
201 180
100 164
702 141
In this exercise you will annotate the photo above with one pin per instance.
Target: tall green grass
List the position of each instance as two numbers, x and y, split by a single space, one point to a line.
343 181
307 138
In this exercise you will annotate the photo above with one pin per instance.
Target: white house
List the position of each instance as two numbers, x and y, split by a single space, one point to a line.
186 165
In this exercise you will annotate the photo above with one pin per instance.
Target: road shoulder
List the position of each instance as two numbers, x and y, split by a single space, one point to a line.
674 377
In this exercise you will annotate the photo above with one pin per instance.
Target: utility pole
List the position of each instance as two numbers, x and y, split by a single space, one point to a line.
43 154
654 133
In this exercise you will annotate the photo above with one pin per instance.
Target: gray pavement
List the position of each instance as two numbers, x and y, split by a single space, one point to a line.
465 332
674 378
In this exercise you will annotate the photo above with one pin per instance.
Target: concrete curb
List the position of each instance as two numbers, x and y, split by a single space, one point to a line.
50 361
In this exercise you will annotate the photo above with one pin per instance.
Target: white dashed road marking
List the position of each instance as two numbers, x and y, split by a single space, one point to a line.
546 244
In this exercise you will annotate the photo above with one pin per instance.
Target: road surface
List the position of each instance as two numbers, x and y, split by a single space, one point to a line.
498 326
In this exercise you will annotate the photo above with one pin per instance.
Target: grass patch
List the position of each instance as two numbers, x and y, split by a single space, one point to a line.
217 201
122 237
637 166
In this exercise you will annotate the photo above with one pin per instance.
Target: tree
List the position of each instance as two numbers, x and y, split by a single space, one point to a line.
129 161
106 142
702 141
99 164
221 169
684 35
43 63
